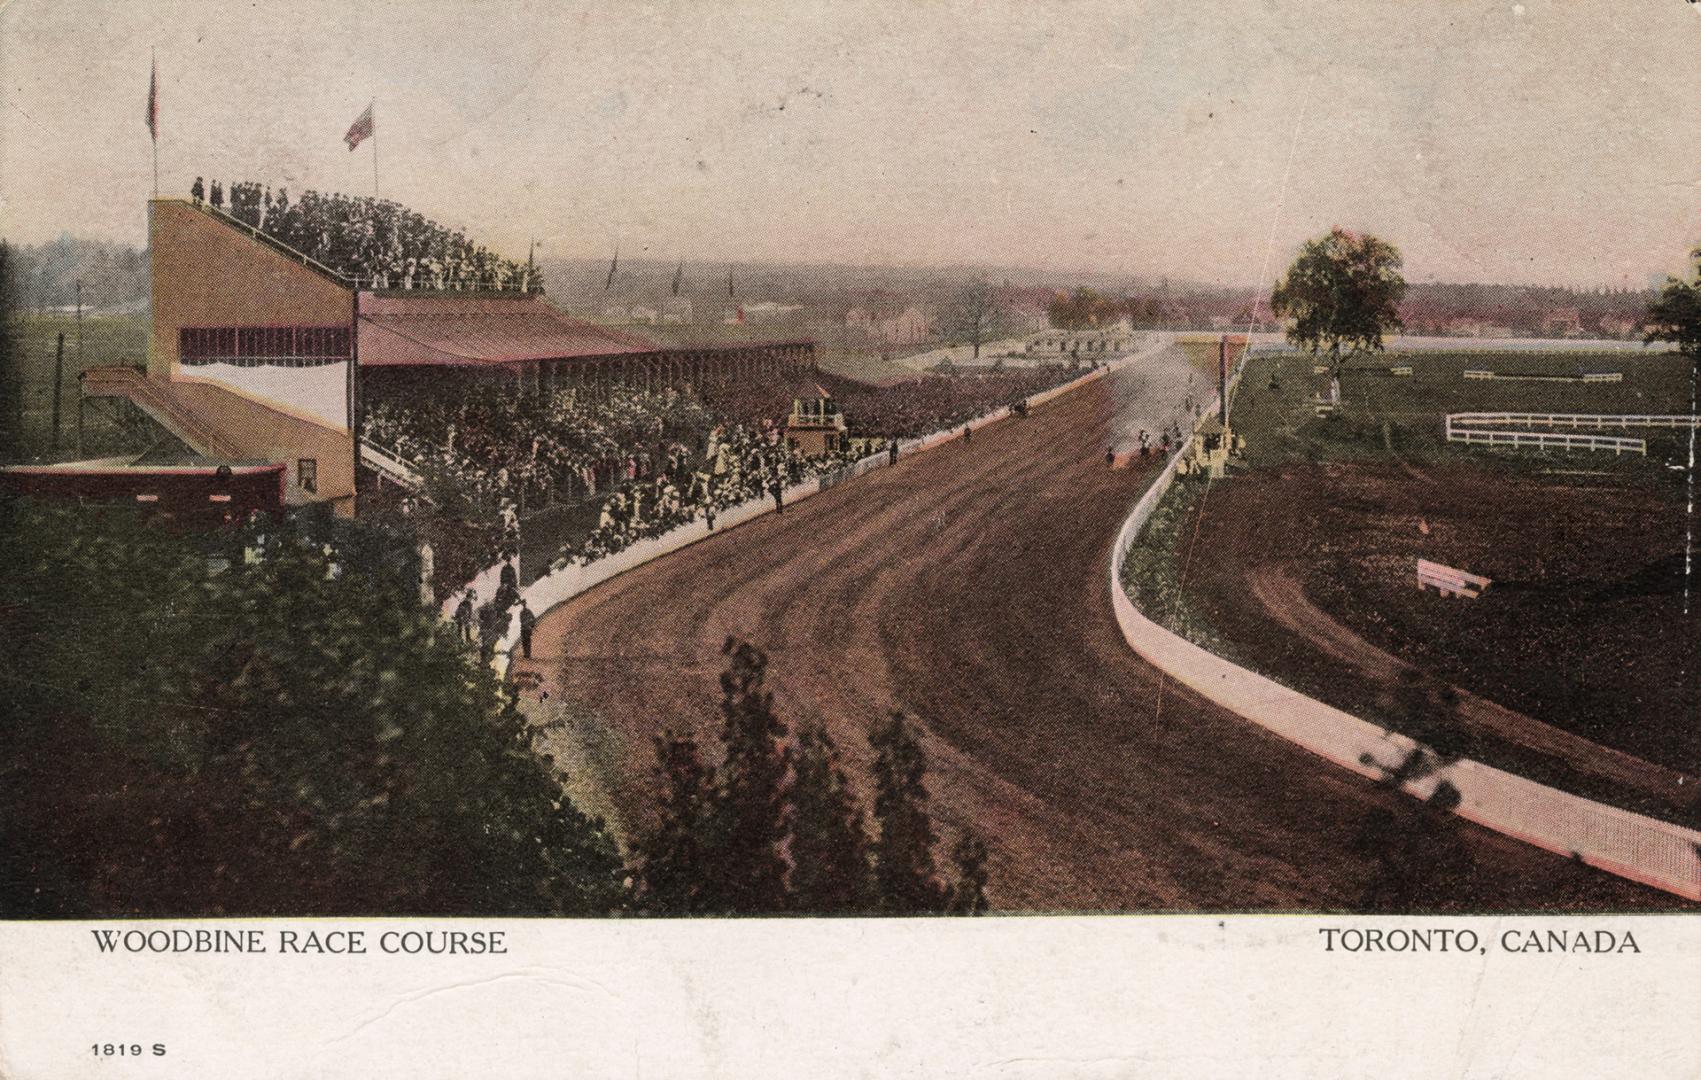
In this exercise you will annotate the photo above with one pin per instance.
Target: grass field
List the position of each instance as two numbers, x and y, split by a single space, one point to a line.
107 340
1388 416
1576 668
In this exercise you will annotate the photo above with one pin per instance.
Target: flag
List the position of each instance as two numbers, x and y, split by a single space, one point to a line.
153 102
729 290
678 277
614 264
362 129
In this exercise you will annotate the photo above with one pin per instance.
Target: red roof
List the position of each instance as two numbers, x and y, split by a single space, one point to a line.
437 330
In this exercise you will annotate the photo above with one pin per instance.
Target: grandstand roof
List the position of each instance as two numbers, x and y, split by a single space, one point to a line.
470 331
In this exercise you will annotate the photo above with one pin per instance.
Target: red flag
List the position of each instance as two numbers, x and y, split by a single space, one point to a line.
362 129
153 102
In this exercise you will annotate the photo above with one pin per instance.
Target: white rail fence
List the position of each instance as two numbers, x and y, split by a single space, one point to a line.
1586 377
1573 420
1548 440
1484 428
1634 846
391 466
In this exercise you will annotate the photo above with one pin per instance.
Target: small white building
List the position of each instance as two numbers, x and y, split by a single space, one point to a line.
676 311
1082 344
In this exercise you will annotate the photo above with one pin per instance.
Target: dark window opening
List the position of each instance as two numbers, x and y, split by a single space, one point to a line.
251 346
307 475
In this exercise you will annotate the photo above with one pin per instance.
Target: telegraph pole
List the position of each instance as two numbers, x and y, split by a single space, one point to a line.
58 384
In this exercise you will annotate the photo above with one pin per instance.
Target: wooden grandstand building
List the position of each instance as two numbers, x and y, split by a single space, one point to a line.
259 353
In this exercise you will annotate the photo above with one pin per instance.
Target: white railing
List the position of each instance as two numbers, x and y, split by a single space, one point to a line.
1552 440
1573 420
1589 377
388 464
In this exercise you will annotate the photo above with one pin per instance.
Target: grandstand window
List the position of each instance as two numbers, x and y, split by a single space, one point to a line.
307 474
250 346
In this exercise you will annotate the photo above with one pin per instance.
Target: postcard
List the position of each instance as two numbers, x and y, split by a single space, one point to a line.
1096 538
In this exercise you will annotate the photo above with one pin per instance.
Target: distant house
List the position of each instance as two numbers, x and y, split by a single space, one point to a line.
768 310
1477 328
891 325
1562 322
1620 326
648 316
676 311
617 313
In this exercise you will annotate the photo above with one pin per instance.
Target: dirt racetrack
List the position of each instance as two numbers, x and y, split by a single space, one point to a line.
968 586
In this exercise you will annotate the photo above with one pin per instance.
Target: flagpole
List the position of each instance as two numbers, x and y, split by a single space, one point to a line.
153 107
374 148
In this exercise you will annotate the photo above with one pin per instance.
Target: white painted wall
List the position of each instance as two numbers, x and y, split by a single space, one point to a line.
312 393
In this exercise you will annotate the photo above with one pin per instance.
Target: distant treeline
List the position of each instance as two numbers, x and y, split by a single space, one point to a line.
1435 308
43 277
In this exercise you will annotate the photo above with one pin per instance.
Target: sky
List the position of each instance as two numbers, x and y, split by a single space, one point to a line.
1204 140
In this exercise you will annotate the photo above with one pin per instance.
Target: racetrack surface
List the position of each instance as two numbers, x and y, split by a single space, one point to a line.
968 587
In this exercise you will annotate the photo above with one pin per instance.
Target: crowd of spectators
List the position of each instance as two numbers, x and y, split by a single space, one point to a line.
504 452
739 463
653 461
379 243
904 410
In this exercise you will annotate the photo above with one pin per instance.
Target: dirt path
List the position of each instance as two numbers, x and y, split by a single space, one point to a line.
968 586
1285 602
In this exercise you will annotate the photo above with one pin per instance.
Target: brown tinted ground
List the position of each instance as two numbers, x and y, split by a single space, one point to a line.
969 587
1577 667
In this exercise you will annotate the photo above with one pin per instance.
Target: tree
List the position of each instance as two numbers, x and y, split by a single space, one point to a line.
968 894
903 851
748 827
1343 292
976 317
1675 315
672 868
295 735
1083 309
827 841
11 356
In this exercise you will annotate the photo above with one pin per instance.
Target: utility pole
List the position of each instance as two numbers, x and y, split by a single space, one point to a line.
58 384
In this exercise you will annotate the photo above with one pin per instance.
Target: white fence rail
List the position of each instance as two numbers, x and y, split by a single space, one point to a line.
1644 849
1572 420
1586 377
1549 440
388 465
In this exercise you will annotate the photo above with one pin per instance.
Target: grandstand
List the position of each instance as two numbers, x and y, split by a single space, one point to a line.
261 351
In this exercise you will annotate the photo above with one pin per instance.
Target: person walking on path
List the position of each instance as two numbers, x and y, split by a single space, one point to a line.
464 615
527 622
1110 456
775 489
891 451
968 433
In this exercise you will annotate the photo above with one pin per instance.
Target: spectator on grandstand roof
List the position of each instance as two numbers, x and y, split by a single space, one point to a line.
197 191
216 196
